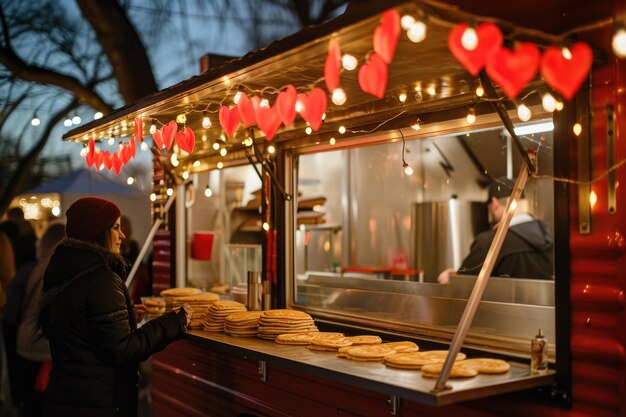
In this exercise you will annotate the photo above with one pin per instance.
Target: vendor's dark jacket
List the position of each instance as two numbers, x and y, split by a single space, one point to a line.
90 321
526 252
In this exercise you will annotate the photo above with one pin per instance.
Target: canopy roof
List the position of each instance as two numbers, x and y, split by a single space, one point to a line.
85 182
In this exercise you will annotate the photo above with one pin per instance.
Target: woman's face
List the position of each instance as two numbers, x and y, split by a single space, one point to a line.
116 236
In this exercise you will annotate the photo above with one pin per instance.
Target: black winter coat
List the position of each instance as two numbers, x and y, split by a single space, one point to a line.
90 321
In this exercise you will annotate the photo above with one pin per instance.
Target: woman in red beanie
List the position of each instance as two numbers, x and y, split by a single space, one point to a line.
89 318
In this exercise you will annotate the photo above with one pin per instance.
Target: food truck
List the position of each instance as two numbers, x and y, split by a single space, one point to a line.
349 164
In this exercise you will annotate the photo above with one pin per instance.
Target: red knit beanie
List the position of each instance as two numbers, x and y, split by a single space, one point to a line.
89 216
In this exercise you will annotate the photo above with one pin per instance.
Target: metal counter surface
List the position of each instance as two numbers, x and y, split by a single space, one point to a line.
407 384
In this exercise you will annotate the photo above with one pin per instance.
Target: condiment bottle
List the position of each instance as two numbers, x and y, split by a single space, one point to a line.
539 354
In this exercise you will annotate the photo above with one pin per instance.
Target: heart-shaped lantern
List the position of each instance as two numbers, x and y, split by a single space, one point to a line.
313 107
133 147
91 153
229 119
512 70
566 74
286 105
373 76
168 133
116 163
386 35
489 42
332 66
126 152
157 137
139 129
107 159
97 159
247 107
268 120
186 140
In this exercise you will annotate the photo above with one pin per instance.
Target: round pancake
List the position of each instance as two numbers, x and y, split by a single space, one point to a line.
364 340
415 360
285 313
243 316
332 343
368 352
487 365
200 297
179 292
432 370
226 304
403 346
304 338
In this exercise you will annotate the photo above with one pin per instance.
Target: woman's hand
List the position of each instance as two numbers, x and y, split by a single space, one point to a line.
140 310
188 311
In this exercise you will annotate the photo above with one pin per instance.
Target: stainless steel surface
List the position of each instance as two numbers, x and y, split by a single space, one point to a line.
407 384
181 238
444 232
483 277
254 291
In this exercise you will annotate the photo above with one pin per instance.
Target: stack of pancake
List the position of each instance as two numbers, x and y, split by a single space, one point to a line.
242 323
218 311
275 322
155 306
200 304
171 295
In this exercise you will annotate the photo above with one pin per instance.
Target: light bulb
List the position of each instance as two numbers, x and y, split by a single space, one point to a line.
407 21
216 146
567 54
247 141
152 197
619 43
402 97
185 175
130 180
577 128
308 130
416 125
206 122
480 91
223 151
67 122
349 62
204 138
264 103
417 32
181 118
207 192
341 130
174 159
266 226
111 141
35 121
98 115
144 146
76 120
220 165
271 149
153 127
548 102
84 151
169 192
471 116
332 141
469 40
559 105
299 106
431 90
593 199
523 112
237 97
196 164
339 96
407 169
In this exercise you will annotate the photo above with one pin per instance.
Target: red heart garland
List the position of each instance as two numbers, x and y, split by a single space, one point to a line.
332 66
116 163
313 107
512 70
106 159
126 152
139 129
91 153
373 76
286 105
157 137
97 159
246 107
133 147
489 42
386 35
168 132
566 75
186 140
229 119
268 120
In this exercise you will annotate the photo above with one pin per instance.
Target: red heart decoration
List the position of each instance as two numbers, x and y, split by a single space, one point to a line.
286 105
158 139
229 119
125 153
133 147
489 42
332 66
386 35
106 159
116 163
246 107
186 140
139 129
512 70
97 159
373 76
313 107
567 75
268 120
91 153
168 132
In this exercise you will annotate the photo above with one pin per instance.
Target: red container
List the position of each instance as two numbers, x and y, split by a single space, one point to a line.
202 246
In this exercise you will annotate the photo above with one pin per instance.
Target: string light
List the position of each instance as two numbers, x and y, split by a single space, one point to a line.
349 62
130 180
196 164
111 141
144 146
181 118
523 112
185 175
220 165
247 141
98 115
577 128
469 39
339 96
207 191
417 32
271 149
266 226
169 191
471 116
480 91
153 127
341 130
204 138
153 197
223 151
174 159
299 106
416 125
76 119
308 130
407 21
35 121
206 122
216 146
559 105
431 90
548 102
84 151
407 169
402 97
619 43
567 54
237 97
332 141
264 103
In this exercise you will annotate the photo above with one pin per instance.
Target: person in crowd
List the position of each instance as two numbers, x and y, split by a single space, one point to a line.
32 347
141 285
527 248
90 320
7 272
26 239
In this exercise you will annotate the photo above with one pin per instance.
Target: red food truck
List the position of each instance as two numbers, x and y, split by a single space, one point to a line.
350 165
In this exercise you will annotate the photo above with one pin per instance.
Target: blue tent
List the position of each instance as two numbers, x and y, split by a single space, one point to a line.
85 182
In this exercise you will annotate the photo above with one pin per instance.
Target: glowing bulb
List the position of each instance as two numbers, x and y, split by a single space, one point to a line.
76 120
402 97
416 125
577 128
341 130
593 199
223 151
271 149
349 62
266 226
567 54
204 138
98 115
181 118
332 141
480 91
111 141
471 116
407 169
67 122
308 130
237 97
144 146
216 146
469 40
35 121
407 21
523 112
174 159
431 90
169 192
264 103
247 142
548 102
153 127
185 175
299 106
206 122
152 197
619 43
207 192
220 165
559 105
130 180
417 32
84 151
196 164
339 96
56 211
